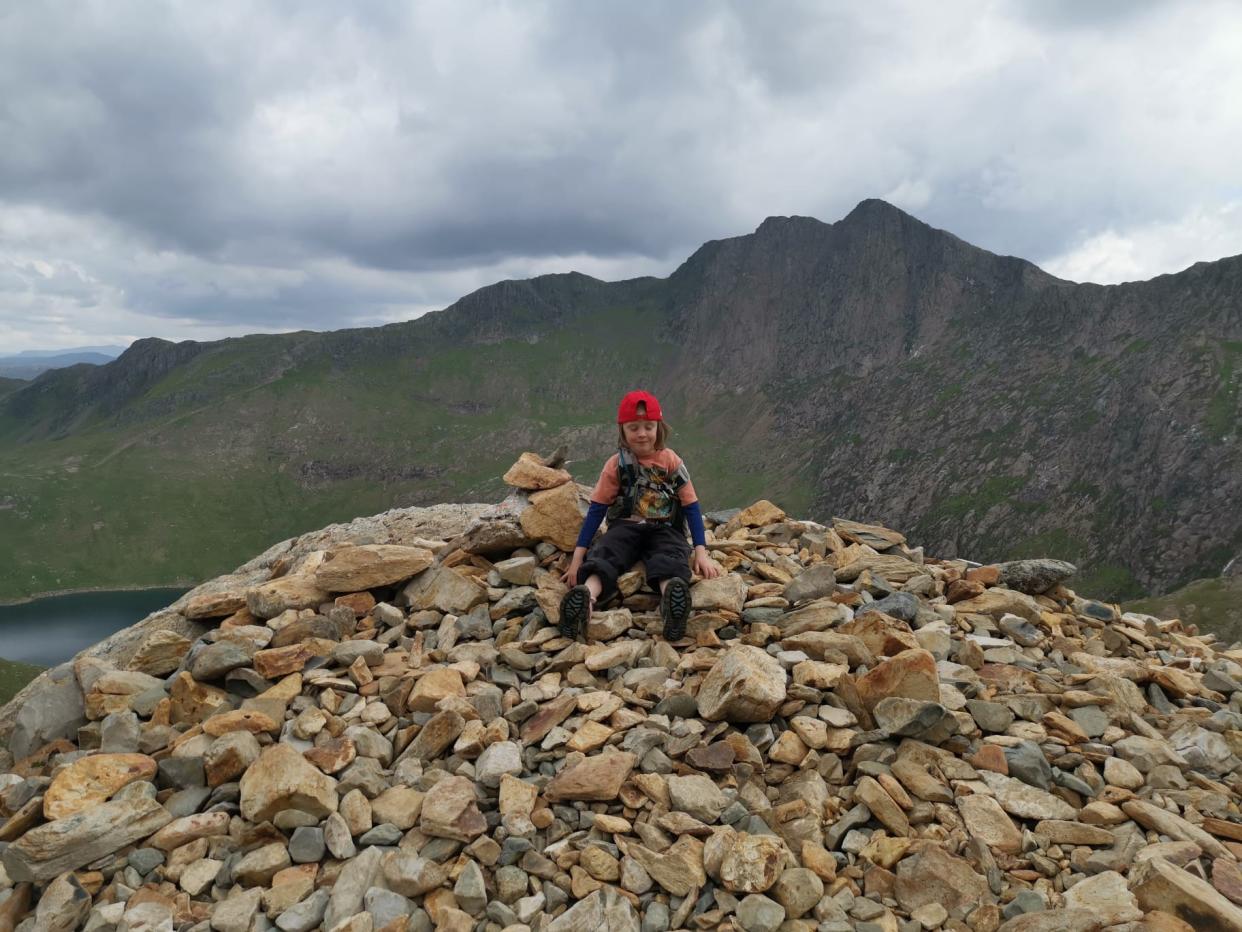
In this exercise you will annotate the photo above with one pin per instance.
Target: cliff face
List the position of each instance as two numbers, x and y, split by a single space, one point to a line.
875 366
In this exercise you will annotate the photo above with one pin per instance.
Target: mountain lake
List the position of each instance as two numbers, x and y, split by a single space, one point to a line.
52 629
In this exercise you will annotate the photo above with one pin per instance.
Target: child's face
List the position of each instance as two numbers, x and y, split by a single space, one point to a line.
640 436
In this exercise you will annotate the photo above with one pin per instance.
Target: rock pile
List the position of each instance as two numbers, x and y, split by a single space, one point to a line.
394 736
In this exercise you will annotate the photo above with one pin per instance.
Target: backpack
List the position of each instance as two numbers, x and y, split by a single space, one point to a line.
632 480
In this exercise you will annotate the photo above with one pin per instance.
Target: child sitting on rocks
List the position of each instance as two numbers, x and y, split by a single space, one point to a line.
646 493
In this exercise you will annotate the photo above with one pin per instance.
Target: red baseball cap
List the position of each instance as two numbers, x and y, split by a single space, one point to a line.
629 408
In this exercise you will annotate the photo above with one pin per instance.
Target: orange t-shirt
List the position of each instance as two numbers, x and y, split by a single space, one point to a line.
659 470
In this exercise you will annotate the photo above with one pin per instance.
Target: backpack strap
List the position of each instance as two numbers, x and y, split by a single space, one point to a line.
627 479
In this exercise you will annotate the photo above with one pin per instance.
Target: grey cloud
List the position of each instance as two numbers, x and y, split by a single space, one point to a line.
282 165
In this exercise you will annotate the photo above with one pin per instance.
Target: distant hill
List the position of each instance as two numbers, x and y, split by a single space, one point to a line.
875 367
110 351
30 363
1212 604
10 385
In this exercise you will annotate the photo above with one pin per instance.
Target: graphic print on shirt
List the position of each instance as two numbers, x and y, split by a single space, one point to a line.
655 491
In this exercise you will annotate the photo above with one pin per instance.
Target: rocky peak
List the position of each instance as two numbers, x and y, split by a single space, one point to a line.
379 726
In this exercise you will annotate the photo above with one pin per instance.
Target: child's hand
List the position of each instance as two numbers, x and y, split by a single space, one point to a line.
570 576
704 565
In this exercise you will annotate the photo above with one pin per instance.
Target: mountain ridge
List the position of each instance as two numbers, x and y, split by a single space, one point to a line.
874 366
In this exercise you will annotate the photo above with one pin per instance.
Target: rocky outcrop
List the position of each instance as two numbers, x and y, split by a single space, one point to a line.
868 754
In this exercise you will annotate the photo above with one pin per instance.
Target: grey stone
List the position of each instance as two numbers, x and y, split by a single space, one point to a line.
383 834
385 906
1091 719
50 707
913 718
503 757
757 913
853 818
814 582
346 652
1072 782
306 915
603 911
1027 762
145 860
900 605
356 877
678 705
991 717
215 660
470 889
1021 631
181 772
1034 576
697 795
307 845
511 884
656 918
119 733
187 801
1027 901
49 850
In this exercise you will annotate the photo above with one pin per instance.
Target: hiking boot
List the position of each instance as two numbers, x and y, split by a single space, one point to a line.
675 608
575 611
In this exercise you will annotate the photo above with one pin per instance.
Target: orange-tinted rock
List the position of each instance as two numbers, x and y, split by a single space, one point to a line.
188 828
250 720
597 778
962 589
160 653
367 566
215 604
909 675
760 514
745 684
334 755
531 474
89 781
744 863
283 779
536 728
269 599
433 686
193 702
281 661
984 575
450 810
555 516
990 757
358 602
883 635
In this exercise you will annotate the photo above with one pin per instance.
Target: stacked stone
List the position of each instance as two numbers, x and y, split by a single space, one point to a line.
394 736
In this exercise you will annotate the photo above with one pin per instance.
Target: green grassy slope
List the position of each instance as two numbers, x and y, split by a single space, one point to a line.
1213 604
13 676
252 449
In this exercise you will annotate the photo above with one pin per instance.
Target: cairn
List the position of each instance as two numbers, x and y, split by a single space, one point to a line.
380 729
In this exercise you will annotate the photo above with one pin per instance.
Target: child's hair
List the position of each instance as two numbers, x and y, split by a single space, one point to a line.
662 431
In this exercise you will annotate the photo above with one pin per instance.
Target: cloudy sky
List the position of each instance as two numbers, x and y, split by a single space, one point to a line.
198 170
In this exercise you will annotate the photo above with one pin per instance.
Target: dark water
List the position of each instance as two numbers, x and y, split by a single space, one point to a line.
51 630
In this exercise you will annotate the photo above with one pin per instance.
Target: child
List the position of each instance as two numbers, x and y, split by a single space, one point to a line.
651 499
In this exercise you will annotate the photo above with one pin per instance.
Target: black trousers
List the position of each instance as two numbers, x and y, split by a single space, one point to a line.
662 548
